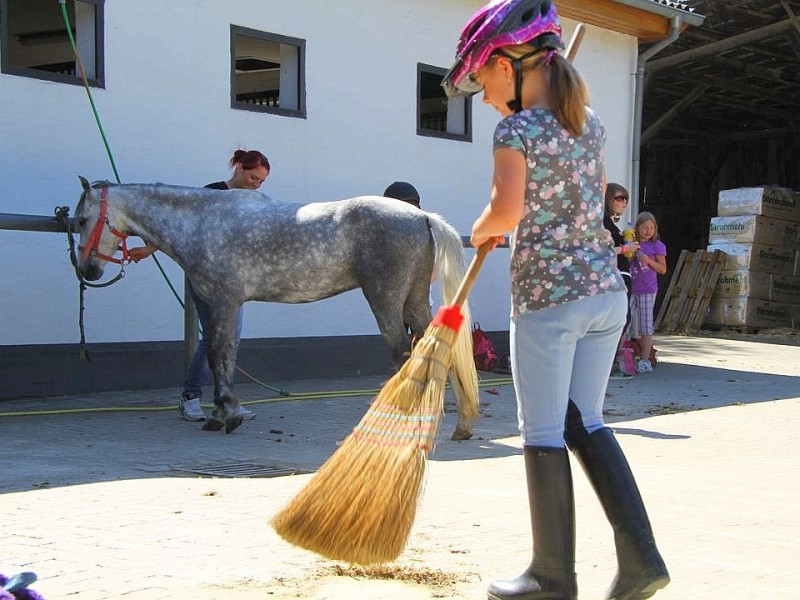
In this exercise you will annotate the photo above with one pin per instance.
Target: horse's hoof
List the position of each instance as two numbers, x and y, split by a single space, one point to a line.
461 434
213 424
232 423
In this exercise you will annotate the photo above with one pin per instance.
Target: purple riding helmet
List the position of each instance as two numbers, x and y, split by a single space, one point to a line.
501 23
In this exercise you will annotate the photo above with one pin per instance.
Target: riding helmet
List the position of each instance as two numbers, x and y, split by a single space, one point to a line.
500 23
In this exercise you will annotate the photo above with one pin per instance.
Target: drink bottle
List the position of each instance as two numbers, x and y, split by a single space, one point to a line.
629 235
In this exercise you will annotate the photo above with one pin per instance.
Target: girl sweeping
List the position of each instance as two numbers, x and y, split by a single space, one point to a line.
649 262
568 297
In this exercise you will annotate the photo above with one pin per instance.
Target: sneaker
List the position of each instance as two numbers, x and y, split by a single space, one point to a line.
644 366
191 410
247 415
617 374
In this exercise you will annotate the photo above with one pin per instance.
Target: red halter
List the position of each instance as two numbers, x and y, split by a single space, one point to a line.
93 245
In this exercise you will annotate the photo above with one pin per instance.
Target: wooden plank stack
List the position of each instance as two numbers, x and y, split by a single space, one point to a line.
759 231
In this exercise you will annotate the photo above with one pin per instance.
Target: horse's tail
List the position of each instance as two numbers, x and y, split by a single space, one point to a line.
449 263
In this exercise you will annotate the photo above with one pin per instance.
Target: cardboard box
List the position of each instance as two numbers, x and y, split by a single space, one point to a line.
754 229
757 284
758 257
775 202
784 288
749 312
742 282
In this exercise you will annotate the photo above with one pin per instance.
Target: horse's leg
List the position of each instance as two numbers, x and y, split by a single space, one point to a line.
387 309
222 361
463 430
417 310
396 339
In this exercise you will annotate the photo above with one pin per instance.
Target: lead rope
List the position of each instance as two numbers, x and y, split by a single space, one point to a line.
62 212
86 87
62 215
84 352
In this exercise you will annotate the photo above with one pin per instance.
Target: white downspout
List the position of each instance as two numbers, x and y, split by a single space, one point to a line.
674 33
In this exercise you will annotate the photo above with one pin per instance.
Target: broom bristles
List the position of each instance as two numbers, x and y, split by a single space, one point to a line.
368 519
361 504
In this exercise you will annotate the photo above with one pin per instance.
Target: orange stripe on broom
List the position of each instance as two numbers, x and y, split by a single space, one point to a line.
362 502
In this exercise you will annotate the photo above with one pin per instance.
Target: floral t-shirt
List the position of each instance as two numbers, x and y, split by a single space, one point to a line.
561 251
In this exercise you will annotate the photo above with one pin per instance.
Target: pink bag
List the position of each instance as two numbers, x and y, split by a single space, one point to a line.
625 361
637 352
483 349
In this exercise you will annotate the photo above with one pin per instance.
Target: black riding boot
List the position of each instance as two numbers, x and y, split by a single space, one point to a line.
641 570
551 574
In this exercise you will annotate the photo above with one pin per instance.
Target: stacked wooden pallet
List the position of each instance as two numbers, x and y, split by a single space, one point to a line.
689 293
759 231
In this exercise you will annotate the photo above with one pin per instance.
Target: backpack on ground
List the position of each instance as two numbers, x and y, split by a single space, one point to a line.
483 349
637 351
624 361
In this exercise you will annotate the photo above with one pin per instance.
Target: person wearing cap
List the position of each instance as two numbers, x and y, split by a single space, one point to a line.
568 297
402 190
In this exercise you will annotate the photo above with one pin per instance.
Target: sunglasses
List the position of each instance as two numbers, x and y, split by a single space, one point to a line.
621 198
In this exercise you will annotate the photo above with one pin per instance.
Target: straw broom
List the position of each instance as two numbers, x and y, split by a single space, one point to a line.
362 502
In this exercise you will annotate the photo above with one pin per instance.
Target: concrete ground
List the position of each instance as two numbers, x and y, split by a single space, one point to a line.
113 496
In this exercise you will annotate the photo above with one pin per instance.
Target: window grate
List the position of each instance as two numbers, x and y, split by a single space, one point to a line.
238 469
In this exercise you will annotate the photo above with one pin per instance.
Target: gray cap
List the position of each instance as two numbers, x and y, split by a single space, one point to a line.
401 190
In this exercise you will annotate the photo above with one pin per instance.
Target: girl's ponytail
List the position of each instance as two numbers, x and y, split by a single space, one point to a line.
569 94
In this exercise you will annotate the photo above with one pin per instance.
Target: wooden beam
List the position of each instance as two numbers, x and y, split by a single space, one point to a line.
608 14
726 138
738 88
762 73
791 14
756 109
724 45
672 112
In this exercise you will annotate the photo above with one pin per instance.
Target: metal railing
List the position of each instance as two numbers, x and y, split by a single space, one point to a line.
14 222
17 222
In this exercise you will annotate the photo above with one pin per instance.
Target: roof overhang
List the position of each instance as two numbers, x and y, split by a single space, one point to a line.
647 20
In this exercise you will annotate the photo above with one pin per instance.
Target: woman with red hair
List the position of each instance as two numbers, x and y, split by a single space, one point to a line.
250 169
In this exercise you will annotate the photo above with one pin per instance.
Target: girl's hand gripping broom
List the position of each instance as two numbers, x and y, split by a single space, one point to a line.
360 505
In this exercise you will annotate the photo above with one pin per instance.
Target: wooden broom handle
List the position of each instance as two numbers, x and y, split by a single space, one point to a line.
575 42
471 274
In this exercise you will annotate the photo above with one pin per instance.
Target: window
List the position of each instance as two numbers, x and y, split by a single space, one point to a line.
267 72
34 40
438 116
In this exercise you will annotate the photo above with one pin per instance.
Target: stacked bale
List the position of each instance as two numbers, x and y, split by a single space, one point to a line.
759 231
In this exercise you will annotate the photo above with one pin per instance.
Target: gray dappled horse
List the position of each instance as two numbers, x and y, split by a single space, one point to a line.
239 245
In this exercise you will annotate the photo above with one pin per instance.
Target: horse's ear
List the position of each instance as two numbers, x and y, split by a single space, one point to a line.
86 187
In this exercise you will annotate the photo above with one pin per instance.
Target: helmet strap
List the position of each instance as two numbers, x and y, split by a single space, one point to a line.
515 105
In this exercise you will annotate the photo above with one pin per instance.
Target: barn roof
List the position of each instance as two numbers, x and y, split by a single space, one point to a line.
736 75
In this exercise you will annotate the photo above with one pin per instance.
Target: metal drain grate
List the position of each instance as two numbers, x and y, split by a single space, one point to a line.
240 469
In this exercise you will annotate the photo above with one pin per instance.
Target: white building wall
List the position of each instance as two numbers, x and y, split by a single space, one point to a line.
167 116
